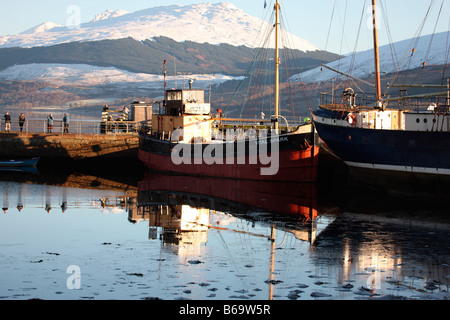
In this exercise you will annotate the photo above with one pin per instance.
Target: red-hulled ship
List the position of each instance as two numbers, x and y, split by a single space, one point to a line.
184 138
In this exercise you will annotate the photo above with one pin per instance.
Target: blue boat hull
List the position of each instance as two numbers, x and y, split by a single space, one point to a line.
19 163
395 150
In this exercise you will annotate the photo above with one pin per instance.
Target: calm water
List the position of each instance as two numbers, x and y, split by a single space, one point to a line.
172 238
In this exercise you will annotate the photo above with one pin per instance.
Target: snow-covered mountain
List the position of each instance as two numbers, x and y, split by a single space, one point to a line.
205 22
109 14
82 74
43 27
431 49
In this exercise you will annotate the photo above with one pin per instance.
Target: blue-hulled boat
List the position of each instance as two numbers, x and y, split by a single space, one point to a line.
19 163
411 135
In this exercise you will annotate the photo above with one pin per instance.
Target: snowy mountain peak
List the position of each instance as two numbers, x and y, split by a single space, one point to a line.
108 14
228 5
43 27
214 23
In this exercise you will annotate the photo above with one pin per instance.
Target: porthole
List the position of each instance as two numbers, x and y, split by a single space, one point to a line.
418 120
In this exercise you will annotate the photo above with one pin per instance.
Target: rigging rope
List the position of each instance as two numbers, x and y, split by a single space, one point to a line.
447 57
408 57
249 74
329 32
292 69
394 57
405 62
257 87
422 71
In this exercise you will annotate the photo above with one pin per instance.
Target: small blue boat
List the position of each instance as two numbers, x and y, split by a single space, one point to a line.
19 163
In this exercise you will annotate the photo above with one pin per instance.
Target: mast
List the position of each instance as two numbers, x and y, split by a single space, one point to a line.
277 64
376 51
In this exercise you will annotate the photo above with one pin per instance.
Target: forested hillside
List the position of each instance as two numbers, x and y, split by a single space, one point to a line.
147 56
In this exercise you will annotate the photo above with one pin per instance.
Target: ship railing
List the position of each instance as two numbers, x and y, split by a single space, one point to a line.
157 134
76 127
230 123
419 102
340 100
284 121
216 134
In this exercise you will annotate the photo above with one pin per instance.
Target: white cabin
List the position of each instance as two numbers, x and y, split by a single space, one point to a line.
187 113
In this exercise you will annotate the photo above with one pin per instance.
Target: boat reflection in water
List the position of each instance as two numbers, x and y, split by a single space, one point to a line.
181 210
362 250
71 195
218 239
184 208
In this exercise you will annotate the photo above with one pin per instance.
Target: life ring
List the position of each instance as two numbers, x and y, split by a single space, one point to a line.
351 119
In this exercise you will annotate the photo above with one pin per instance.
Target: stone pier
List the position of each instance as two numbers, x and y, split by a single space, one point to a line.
68 146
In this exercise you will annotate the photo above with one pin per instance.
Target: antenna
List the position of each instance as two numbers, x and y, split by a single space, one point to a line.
165 83
209 90
176 75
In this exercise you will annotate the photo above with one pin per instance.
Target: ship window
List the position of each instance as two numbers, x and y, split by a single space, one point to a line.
174 96
418 120
425 120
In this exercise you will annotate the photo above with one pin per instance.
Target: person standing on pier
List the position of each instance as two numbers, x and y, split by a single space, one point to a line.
66 123
21 121
125 113
50 123
7 122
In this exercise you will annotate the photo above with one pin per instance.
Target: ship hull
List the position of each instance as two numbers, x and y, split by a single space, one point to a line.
295 160
297 199
392 150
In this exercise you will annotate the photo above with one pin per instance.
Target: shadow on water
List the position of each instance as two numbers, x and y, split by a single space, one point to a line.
350 236
376 192
121 170
339 190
